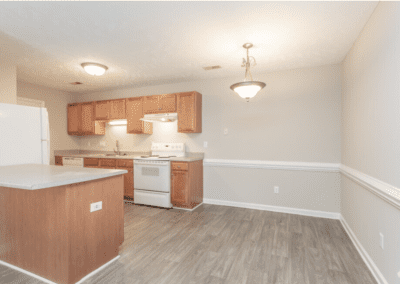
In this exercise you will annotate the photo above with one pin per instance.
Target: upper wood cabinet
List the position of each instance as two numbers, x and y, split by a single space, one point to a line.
108 110
189 112
118 109
81 120
74 119
134 112
159 104
102 110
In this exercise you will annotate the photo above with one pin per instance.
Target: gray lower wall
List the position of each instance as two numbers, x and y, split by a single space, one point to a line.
318 191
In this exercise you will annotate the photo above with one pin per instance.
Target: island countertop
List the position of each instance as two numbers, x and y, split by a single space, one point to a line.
37 176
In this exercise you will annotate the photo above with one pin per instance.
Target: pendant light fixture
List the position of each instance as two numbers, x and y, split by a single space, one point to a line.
248 88
94 69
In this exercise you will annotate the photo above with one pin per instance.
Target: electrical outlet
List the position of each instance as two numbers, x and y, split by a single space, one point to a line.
225 131
96 206
205 144
398 274
381 240
88 143
276 189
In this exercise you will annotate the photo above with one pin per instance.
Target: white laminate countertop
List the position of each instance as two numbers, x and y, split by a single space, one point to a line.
36 176
131 157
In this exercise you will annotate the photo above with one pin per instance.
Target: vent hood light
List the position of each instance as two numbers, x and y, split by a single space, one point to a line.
160 117
118 122
94 69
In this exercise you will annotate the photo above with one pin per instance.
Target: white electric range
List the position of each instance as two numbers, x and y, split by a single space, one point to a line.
152 174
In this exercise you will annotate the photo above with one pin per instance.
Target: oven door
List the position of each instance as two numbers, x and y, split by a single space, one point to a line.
152 177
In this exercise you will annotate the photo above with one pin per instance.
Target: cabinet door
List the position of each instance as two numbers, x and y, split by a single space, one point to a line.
58 161
168 103
74 118
103 109
186 112
134 112
87 118
179 188
118 109
151 104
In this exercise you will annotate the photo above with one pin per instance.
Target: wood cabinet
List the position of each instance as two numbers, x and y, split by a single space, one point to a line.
103 110
134 112
187 184
110 109
91 163
74 119
189 112
118 109
89 118
159 104
124 164
58 161
81 120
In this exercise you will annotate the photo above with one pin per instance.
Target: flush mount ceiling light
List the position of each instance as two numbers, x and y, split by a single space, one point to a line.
248 88
118 122
94 69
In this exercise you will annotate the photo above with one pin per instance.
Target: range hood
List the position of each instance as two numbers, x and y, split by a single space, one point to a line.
160 117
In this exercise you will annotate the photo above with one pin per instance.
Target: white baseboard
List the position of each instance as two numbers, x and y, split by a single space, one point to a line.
365 256
51 282
187 209
304 212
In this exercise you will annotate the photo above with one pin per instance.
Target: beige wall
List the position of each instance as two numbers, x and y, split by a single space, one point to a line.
371 134
8 81
296 118
56 104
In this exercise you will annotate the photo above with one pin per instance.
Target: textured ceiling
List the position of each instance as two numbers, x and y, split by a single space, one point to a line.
147 43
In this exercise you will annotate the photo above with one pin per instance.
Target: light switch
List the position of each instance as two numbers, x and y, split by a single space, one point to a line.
205 144
225 131
96 206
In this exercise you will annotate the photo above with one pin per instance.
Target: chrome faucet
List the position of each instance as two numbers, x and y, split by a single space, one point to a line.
117 152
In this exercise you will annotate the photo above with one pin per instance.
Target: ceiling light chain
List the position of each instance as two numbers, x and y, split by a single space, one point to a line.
248 88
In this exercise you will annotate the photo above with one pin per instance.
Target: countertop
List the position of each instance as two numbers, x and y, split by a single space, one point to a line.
36 176
190 158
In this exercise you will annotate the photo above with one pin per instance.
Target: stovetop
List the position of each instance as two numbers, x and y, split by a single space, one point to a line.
164 151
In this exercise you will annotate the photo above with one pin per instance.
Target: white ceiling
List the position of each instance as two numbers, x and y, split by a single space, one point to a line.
147 43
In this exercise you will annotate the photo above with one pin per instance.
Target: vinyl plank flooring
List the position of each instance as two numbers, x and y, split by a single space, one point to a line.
226 245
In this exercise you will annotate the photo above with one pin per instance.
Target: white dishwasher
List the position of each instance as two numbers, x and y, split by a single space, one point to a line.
72 162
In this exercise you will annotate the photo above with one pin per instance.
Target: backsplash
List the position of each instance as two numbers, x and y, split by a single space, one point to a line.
162 132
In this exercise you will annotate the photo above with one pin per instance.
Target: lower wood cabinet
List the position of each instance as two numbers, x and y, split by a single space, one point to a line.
58 161
123 164
186 184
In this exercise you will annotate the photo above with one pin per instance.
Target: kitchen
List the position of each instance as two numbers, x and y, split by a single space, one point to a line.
315 131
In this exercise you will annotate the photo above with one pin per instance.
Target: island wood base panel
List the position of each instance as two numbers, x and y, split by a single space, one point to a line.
52 233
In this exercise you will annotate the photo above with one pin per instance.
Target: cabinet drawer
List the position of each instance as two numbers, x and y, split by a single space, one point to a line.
108 162
90 162
181 166
125 163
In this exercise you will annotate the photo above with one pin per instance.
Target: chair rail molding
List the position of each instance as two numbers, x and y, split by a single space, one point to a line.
387 192
273 165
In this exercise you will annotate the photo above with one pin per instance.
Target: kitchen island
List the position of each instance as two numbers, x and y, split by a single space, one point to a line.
46 224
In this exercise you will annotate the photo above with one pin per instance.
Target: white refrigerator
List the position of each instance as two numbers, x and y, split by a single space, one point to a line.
24 135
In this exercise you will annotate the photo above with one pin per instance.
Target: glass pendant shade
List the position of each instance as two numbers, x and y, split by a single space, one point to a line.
248 89
94 69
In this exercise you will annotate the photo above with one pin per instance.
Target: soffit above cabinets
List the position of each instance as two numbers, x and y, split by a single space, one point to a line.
149 43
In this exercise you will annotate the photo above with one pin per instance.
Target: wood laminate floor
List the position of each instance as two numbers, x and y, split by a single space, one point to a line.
221 244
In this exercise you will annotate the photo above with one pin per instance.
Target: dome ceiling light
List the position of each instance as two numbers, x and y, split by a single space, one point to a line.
94 69
248 88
